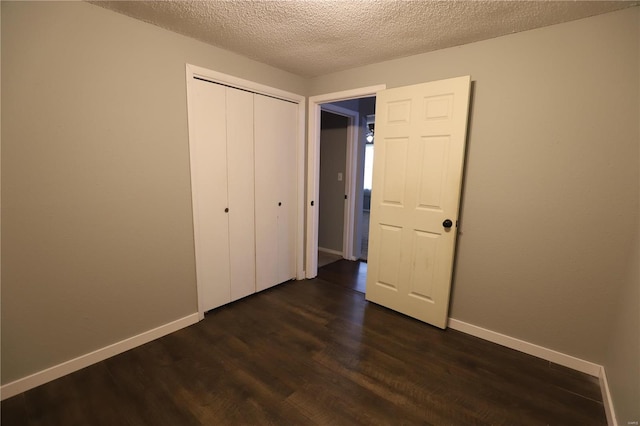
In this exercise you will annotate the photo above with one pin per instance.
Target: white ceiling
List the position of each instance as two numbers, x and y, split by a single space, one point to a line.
316 37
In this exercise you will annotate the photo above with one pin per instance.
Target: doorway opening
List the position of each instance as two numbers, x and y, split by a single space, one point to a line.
346 137
367 183
359 105
338 137
342 228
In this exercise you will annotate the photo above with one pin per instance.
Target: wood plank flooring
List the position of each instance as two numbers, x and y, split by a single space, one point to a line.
313 353
325 258
352 275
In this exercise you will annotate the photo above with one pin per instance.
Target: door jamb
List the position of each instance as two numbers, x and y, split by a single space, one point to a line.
313 165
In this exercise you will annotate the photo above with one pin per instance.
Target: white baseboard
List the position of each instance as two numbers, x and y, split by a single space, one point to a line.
607 400
68 367
528 348
330 251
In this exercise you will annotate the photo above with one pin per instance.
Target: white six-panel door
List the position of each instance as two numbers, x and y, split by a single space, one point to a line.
419 154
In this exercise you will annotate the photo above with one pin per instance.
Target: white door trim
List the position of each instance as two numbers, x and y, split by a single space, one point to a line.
350 175
313 165
193 71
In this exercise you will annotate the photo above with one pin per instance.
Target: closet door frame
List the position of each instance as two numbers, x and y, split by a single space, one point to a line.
192 72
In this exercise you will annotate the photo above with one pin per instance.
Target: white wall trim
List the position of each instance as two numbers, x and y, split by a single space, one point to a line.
528 348
196 71
330 251
41 377
606 399
301 202
313 165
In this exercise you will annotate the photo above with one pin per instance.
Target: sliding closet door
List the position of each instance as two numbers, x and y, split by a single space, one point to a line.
209 163
275 127
241 193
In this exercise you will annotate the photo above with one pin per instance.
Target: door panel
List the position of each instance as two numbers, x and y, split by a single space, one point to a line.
424 250
266 190
210 157
420 141
241 193
395 167
287 120
388 258
433 156
275 165
288 186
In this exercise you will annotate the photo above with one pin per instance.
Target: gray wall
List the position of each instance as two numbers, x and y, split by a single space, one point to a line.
333 160
622 362
97 237
550 201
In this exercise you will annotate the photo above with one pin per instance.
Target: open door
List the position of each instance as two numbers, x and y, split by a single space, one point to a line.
417 176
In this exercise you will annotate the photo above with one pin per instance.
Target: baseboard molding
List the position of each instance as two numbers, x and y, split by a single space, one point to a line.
330 251
68 367
528 348
606 399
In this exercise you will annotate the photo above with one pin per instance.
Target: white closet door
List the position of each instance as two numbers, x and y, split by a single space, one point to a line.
209 159
275 126
266 169
287 185
241 193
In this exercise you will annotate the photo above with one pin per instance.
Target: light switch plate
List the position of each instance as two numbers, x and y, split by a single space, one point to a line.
339 177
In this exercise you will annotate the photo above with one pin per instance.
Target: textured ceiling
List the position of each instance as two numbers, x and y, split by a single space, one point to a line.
316 37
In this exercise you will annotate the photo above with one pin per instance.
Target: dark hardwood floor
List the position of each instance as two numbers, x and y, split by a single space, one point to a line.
313 352
352 275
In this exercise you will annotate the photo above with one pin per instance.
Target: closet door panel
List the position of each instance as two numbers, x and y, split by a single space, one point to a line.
275 125
240 160
268 161
287 185
210 156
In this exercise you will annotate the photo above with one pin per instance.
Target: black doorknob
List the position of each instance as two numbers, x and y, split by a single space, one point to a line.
447 223
226 210
279 204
